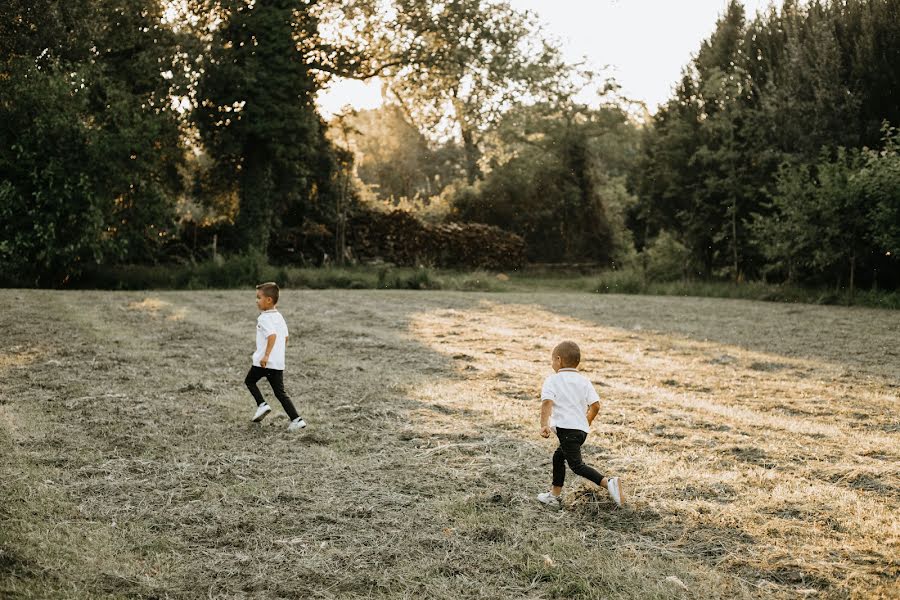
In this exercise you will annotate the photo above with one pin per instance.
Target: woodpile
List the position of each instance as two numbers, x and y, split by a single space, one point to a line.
399 237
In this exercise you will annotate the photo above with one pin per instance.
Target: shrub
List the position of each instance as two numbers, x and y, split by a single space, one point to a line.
666 259
620 282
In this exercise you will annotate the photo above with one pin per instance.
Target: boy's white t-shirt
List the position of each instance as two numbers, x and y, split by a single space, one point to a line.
269 322
571 393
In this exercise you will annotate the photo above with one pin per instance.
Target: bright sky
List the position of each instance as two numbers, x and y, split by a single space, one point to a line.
645 43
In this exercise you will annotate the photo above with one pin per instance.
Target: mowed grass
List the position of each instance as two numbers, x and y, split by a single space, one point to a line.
759 443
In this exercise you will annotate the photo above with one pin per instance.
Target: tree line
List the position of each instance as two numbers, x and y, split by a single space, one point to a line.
131 129
776 155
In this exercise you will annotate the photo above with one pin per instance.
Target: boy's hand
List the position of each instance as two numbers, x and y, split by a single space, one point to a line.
546 411
270 343
592 411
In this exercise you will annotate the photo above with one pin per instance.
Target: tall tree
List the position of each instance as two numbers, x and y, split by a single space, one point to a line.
838 219
777 89
89 145
394 158
560 182
462 63
257 117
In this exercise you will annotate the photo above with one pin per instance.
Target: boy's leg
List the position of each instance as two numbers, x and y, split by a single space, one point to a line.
559 471
570 441
254 375
276 380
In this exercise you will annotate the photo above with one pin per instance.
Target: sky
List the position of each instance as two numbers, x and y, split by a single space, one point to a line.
645 43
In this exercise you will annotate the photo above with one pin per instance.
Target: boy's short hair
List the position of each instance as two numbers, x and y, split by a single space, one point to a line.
269 289
569 353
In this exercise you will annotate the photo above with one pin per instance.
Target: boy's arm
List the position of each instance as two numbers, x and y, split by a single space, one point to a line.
546 411
270 343
592 411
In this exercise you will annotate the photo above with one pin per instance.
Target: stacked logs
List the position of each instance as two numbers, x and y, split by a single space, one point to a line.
399 237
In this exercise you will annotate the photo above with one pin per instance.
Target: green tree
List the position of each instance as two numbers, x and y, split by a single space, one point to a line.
394 158
560 182
89 145
665 177
879 181
254 110
462 63
774 90
710 190
837 218
51 219
257 118
140 65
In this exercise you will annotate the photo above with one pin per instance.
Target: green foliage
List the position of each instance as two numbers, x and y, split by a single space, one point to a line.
666 259
46 31
462 62
50 218
838 216
257 119
393 158
89 149
879 182
761 93
771 159
563 189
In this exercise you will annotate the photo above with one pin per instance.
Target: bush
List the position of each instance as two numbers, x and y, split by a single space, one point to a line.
245 272
231 272
666 259
620 282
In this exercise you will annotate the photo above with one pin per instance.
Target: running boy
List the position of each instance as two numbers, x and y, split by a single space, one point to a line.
268 360
569 404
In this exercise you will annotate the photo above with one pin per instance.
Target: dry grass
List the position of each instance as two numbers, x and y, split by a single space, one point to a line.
760 444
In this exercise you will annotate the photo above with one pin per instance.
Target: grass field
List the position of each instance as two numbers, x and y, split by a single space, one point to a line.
759 443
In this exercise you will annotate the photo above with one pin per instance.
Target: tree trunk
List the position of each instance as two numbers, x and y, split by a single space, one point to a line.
644 254
340 237
254 219
473 172
734 243
852 274
470 147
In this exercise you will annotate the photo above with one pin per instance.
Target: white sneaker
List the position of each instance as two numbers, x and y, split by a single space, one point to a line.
261 411
297 424
615 491
549 499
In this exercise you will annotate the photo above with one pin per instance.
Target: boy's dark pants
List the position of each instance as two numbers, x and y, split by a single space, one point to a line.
276 380
569 451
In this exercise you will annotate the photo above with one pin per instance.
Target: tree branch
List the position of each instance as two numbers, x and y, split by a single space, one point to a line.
351 73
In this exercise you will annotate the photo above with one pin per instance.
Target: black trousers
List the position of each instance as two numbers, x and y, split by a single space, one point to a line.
569 451
276 380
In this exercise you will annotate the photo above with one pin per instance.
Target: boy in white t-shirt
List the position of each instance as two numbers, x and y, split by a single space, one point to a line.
268 360
569 404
